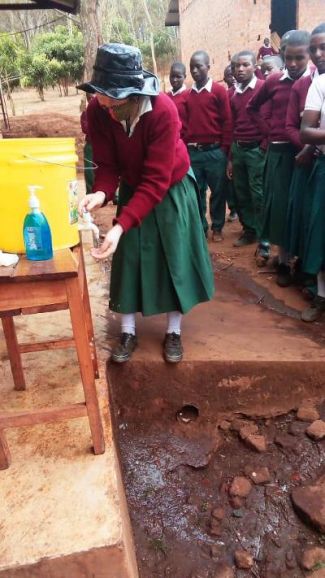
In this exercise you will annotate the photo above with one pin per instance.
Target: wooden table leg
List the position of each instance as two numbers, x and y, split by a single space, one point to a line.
13 353
5 458
80 333
88 318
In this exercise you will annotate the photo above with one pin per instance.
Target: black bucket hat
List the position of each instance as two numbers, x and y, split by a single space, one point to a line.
118 73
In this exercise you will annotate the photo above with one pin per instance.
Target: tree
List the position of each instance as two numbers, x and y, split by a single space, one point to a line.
37 72
9 71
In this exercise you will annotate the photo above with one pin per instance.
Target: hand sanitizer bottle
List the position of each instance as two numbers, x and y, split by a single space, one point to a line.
37 233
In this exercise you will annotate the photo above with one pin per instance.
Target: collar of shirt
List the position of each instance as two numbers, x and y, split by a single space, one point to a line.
207 86
179 91
251 85
286 74
145 106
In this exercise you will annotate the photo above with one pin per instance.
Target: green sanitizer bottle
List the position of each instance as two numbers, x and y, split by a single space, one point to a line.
36 230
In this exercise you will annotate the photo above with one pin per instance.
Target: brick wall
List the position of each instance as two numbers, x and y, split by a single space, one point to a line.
223 27
311 13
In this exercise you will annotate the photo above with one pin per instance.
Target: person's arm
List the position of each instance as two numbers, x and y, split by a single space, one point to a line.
225 113
293 120
310 131
104 156
157 169
262 96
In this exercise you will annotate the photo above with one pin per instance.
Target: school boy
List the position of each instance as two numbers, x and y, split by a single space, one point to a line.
271 64
247 159
179 92
208 135
265 50
281 153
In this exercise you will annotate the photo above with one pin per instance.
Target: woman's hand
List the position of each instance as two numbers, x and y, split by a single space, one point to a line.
109 245
229 170
91 202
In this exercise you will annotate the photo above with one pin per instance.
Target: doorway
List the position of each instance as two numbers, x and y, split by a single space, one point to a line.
283 16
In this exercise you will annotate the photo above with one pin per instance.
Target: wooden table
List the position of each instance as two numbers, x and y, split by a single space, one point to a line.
42 286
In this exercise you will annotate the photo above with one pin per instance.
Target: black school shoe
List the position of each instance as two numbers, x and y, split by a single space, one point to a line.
315 311
173 349
283 278
123 351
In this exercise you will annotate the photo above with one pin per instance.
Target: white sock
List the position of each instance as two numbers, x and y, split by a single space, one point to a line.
283 256
321 284
174 320
128 323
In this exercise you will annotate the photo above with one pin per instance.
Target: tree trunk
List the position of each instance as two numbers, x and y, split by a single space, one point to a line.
91 28
9 96
152 45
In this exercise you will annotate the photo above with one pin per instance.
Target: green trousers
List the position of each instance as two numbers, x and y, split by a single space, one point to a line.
210 171
248 168
314 259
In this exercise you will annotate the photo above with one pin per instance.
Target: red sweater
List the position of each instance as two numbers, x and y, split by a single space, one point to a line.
265 51
277 92
180 101
152 160
209 117
296 108
244 126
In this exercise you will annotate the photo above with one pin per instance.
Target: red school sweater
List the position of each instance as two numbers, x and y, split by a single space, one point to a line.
209 117
277 93
180 101
152 160
244 126
296 108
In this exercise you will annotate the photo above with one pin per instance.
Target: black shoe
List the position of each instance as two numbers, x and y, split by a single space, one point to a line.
232 216
283 278
245 239
315 311
123 351
173 349
262 254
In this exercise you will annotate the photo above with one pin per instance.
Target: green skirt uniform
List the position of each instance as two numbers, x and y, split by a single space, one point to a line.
164 264
299 208
277 178
314 259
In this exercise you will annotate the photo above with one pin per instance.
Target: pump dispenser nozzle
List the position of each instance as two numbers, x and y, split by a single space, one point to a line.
33 200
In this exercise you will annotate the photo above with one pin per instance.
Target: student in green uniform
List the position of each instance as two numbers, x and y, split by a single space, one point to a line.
281 153
160 258
313 132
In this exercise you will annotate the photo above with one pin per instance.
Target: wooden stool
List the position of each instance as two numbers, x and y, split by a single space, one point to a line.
37 287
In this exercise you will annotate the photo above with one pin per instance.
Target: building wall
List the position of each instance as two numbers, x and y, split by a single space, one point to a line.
311 13
223 27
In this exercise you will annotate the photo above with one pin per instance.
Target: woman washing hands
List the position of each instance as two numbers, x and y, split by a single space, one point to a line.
160 258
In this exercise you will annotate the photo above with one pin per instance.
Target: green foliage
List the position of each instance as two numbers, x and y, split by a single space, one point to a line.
56 58
9 51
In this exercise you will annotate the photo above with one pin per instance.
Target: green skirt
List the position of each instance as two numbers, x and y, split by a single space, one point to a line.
299 208
164 264
277 178
314 260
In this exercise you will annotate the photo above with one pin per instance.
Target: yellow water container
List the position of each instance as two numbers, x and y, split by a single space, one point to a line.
49 163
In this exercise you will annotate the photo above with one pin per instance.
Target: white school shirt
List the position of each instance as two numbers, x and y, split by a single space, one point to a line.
316 101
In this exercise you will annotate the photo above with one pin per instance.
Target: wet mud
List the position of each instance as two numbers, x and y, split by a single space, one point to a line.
178 476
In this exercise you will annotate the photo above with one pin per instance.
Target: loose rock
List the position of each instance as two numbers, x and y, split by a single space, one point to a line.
290 560
238 423
260 475
316 430
311 557
297 428
247 430
256 442
307 413
225 425
243 559
309 503
218 513
240 487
